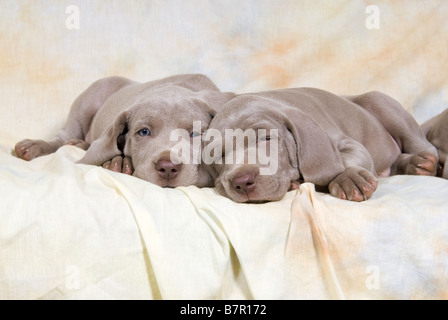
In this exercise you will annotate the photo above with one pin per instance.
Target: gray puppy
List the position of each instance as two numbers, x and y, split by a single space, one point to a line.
116 116
341 144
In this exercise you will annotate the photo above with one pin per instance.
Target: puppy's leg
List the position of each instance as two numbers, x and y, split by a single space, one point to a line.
419 157
121 164
79 143
357 182
354 184
82 112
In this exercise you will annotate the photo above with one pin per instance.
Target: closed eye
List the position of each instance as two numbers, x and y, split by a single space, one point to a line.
144 132
195 134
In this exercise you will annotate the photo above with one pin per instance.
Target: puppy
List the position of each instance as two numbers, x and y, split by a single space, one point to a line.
341 144
116 116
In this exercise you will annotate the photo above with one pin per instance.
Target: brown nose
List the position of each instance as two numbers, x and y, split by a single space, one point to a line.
167 169
244 183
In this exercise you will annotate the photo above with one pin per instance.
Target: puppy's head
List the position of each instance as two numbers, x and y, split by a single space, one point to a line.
281 147
162 134
251 151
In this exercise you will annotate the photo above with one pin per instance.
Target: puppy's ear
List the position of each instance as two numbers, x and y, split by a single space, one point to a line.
318 159
107 146
215 100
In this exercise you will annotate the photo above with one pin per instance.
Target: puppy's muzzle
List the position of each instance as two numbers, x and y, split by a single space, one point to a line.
244 182
167 169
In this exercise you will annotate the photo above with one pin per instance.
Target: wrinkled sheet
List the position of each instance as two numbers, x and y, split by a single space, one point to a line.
71 231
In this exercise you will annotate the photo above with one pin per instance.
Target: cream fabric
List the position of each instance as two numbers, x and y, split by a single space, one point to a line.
74 231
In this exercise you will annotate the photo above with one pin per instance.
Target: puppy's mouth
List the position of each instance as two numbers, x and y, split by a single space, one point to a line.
168 183
255 196
159 181
254 201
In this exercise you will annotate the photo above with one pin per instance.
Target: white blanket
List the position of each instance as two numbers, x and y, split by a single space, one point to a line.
72 231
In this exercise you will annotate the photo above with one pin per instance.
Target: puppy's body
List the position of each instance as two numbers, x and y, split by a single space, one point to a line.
116 116
342 143
436 130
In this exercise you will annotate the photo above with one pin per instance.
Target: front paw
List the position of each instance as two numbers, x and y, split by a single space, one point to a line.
294 185
29 149
354 184
122 164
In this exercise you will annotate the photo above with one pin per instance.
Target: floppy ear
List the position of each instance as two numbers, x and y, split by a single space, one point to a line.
318 159
106 146
215 99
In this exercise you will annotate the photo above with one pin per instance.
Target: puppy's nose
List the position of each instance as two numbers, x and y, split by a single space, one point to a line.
167 169
244 183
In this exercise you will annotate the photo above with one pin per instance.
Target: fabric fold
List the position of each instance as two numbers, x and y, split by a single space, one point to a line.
73 231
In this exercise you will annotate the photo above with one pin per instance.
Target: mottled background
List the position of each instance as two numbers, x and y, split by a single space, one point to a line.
242 45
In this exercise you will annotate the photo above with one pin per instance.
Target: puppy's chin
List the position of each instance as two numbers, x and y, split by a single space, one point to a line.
274 191
157 180
254 197
189 176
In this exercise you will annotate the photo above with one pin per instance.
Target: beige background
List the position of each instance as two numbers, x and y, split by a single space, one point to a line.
241 45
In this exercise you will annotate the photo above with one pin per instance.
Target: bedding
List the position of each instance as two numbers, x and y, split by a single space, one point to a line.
71 231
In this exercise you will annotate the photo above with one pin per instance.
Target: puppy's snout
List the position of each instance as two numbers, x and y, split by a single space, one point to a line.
167 169
244 182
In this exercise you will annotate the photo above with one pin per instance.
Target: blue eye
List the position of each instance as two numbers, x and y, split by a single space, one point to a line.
144 132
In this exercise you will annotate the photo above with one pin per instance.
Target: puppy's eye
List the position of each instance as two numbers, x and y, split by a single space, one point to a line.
195 134
265 138
144 132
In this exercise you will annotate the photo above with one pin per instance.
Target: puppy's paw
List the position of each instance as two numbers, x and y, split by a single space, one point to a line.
120 164
422 164
294 185
79 143
29 149
354 184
